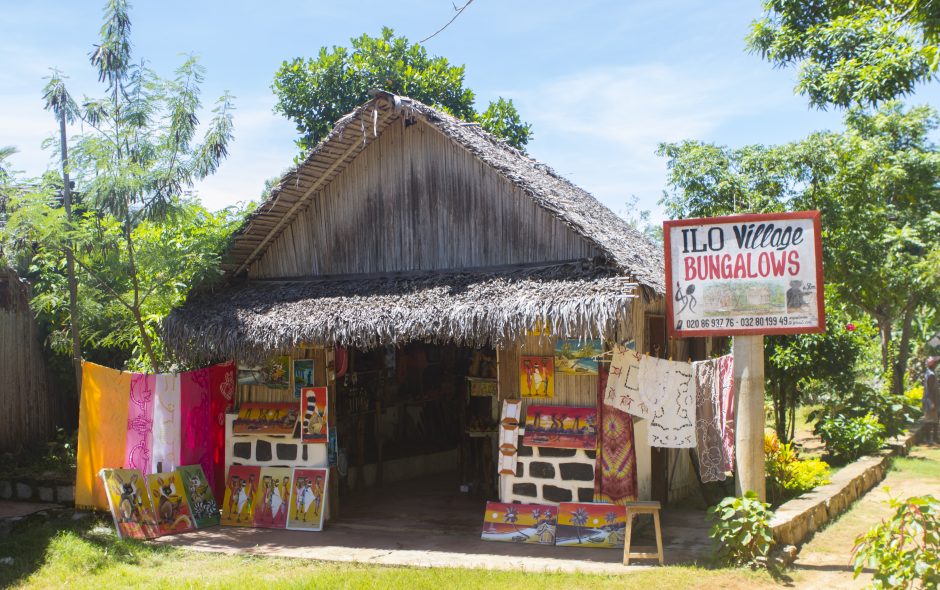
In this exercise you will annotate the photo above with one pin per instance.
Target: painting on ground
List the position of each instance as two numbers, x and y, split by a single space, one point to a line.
266 418
577 357
590 525
169 504
274 489
519 523
314 407
241 488
303 375
561 427
536 376
202 504
308 499
130 503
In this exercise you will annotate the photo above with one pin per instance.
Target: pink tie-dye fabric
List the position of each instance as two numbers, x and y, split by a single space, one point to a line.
195 419
139 443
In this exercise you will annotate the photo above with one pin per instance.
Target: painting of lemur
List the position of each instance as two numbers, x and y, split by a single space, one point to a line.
202 504
308 499
241 491
273 497
130 503
172 511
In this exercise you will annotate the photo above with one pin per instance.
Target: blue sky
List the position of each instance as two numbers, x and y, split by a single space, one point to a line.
601 82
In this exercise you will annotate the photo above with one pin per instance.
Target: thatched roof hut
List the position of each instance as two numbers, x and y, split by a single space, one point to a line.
408 224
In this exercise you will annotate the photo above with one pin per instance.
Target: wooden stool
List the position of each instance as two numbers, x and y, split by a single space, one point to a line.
634 508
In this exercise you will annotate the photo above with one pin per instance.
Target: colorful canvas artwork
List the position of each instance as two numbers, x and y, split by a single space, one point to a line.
308 499
241 490
277 372
170 506
582 524
129 503
519 523
303 375
577 357
561 427
199 496
536 376
274 490
266 418
313 404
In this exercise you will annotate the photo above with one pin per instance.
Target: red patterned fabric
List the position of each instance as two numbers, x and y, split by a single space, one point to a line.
195 418
615 469
222 399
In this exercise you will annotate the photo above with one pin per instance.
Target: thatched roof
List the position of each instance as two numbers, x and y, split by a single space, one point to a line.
495 306
624 246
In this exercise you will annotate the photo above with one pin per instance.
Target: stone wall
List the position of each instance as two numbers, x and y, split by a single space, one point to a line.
30 490
548 476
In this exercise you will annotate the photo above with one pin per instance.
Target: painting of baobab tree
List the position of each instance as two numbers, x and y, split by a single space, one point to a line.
519 523
561 427
584 524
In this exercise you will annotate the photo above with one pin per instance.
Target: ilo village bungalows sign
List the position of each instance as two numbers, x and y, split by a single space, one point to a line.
744 274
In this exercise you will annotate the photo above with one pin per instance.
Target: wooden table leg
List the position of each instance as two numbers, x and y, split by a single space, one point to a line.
627 534
659 536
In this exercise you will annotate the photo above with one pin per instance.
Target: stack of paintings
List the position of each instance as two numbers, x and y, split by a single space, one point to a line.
570 524
275 497
520 523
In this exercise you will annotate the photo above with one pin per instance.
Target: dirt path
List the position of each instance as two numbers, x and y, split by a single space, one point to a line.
826 561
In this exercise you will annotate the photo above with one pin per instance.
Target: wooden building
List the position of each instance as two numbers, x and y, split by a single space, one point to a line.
427 251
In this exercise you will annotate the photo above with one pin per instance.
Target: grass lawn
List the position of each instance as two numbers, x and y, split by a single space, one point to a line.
87 554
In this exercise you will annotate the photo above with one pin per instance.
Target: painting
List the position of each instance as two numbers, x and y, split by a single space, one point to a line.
266 418
308 499
519 523
315 418
577 357
561 427
303 375
169 504
583 524
241 488
130 503
274 489
202 504
277 372
536 376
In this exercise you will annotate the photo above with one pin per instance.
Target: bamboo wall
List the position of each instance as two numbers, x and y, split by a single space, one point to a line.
29 408
414 200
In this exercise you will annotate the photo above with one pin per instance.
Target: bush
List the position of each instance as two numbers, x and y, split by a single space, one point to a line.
741 530
904 551
915 397
850 438
895 412
788 475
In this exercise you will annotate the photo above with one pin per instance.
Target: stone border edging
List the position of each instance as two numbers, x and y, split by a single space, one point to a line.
795 521
29 490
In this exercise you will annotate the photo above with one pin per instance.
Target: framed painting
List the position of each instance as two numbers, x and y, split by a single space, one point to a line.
169 504
561 427
519 523
202 504
308 499
303 375
266 418
274 488
313 402
577 357
129 503
241 488
585 524
277 372
536 376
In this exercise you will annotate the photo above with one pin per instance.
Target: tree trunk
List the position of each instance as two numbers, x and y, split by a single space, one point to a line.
70 256
884 330
135 307
904 348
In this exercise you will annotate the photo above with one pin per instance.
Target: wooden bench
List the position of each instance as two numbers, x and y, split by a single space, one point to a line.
634 508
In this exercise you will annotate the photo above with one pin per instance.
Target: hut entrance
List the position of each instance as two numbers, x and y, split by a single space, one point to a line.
417 423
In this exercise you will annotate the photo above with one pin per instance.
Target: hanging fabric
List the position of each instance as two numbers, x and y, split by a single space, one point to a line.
221 399
102 431
668 387
726 386
615 478
166 423
623 385
195 419
140 423
713 380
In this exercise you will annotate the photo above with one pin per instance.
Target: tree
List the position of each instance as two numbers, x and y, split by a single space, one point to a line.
315 92
876 186
851 52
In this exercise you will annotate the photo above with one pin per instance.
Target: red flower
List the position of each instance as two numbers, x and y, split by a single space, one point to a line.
850 327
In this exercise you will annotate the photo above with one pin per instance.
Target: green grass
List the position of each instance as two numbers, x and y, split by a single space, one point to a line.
64 553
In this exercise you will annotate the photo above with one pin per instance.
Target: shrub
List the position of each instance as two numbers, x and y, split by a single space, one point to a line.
915 397
741 530
788 475
850 438
895 412
904 550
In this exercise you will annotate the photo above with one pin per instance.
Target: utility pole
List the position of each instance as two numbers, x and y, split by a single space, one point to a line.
749 415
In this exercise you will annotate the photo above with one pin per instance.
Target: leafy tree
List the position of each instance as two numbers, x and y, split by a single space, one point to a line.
315 92
851 52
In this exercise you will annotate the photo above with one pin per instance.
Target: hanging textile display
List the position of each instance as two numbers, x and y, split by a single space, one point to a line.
195 419
671 392
726 383
623 385
222 399
509 436
140 423
615 478
166 423
713 386
102 431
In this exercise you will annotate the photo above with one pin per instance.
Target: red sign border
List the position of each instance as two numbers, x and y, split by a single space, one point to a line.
745 218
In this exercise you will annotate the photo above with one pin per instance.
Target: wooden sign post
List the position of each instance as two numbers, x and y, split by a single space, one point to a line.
745 276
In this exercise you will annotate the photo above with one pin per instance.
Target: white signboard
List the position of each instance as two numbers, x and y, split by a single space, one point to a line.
744 274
